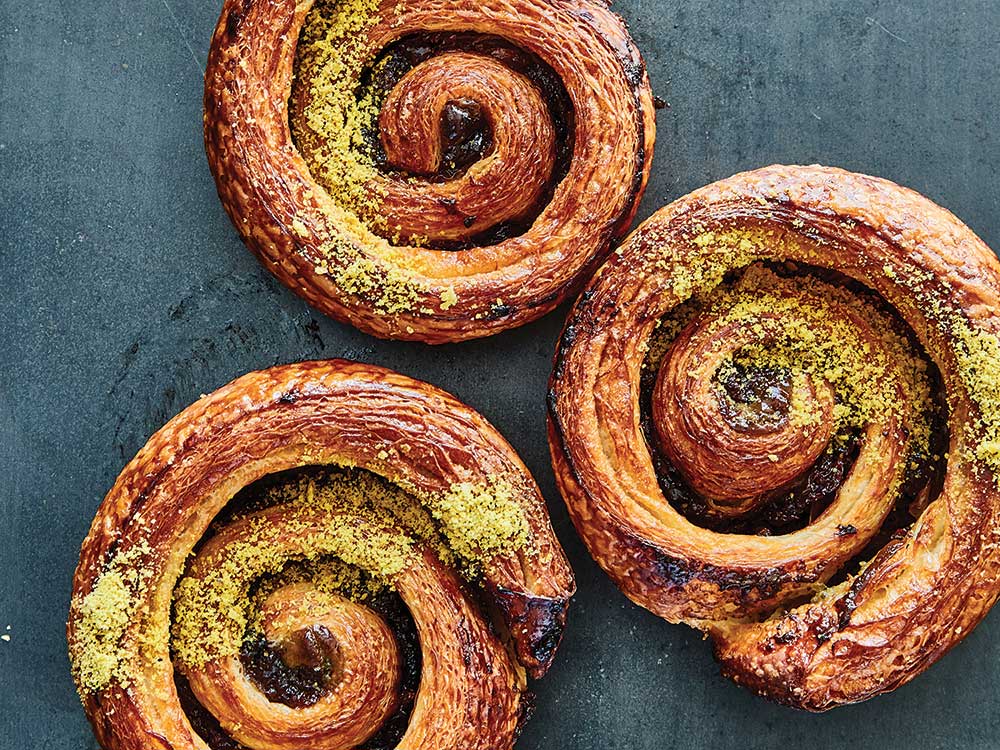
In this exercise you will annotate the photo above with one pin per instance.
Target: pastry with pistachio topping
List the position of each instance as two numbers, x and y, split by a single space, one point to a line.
325 553
800 369
427 171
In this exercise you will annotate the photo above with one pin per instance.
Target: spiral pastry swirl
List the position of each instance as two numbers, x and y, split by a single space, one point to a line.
774 416
326 555
434 171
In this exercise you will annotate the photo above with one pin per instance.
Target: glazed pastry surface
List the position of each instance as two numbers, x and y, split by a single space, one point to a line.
324 554
774 416
428 170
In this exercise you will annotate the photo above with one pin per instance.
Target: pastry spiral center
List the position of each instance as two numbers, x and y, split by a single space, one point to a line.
281 623
295 672
452 140
738 431
432 125
755 399
456 111
769 376
314 644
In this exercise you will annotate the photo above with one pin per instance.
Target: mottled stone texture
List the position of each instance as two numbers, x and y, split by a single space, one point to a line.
127 294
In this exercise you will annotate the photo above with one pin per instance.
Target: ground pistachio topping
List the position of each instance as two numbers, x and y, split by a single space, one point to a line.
481 520
332 126
979 370
376 528
330 121
103 616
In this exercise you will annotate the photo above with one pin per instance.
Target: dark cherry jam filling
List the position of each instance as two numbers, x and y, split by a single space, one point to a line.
297 672
202 721
756 399
466 136
466 132
395 614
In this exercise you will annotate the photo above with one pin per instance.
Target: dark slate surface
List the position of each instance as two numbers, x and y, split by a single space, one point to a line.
126 293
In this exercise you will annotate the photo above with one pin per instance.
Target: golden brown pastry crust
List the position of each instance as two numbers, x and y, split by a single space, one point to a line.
325 412
291 223
925 590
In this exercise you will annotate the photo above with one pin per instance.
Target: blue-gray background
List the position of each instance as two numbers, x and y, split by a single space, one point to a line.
126 293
